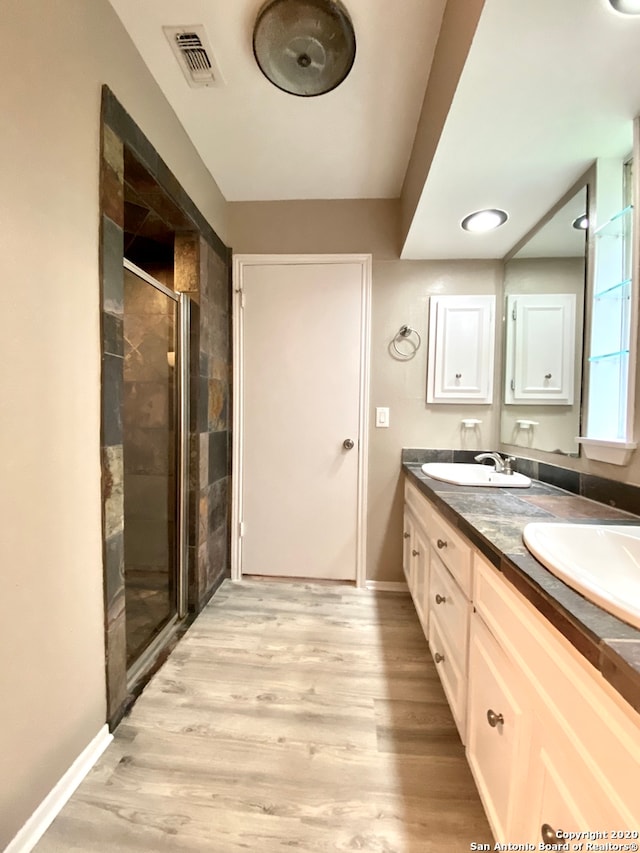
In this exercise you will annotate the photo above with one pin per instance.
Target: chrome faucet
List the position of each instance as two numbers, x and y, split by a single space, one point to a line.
503 466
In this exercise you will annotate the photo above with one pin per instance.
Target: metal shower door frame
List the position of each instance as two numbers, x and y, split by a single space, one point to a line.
183 303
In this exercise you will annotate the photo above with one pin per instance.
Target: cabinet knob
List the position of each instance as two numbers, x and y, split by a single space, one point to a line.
494 719
441 543
438 657
414 552
547 376
348 444
549 835
406 535
440 599
458 376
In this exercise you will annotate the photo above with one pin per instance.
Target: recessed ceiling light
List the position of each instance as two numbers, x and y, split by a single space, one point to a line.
484 220
581 223
627 7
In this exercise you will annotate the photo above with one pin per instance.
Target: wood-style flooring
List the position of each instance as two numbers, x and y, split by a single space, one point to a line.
292 716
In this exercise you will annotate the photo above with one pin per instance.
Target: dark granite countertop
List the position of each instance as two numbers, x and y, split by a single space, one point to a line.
493 520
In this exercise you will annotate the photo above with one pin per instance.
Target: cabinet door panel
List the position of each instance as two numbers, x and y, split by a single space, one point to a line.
572 699
407 544
461 349
498 732
568 799
540 348
421 572
452 675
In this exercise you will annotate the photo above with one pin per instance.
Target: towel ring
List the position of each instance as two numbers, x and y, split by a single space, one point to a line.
404 334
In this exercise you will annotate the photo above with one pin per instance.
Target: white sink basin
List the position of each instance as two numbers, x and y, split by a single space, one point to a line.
600 561
463 474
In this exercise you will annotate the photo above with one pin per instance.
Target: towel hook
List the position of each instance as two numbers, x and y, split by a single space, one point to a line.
404 333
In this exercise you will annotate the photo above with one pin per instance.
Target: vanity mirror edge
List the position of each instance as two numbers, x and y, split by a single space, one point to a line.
585 181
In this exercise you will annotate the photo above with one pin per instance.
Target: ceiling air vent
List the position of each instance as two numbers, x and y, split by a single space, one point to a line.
194 55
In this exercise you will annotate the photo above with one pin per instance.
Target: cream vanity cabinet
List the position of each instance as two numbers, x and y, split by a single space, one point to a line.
415 551
449 611
442 559
552 746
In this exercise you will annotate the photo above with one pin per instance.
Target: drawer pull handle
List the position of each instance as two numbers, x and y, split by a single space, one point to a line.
440 599
406 535
414 552
438 657
549 835
441 543
494 719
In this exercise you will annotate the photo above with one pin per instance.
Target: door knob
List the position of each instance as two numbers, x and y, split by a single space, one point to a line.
348 444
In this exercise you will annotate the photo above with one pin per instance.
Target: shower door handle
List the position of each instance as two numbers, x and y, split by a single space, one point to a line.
348 444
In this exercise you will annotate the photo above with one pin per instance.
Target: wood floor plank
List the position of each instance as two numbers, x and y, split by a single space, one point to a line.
291 715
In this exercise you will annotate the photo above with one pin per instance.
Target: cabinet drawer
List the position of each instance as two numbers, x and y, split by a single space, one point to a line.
453 678
498 732
418 504
453 550
451 608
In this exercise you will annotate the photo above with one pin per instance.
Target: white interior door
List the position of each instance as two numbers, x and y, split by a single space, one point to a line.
302 335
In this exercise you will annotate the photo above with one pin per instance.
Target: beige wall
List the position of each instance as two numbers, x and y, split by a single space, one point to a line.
401 290
400 295
308 227
54 60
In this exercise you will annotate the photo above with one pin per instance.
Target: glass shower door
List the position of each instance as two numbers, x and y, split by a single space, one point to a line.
151 453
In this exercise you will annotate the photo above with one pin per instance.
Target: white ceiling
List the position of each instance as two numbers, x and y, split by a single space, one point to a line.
262 144
548 86
557 238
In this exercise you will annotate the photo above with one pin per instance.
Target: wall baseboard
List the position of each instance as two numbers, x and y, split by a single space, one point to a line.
387 586
35 827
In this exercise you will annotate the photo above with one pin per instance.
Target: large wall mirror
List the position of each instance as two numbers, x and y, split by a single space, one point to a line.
544 293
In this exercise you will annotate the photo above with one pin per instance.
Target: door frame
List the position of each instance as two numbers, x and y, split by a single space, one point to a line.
240 262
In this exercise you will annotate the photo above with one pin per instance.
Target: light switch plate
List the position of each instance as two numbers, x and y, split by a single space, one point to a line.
382 416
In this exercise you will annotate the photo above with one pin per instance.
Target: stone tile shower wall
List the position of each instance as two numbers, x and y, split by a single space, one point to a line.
213 421
202 269
112 249
210 413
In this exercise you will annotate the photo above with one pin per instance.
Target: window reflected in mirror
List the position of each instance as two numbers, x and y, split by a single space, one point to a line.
544 287
607 415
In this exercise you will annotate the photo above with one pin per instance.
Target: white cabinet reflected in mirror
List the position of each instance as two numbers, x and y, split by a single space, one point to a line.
544 286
